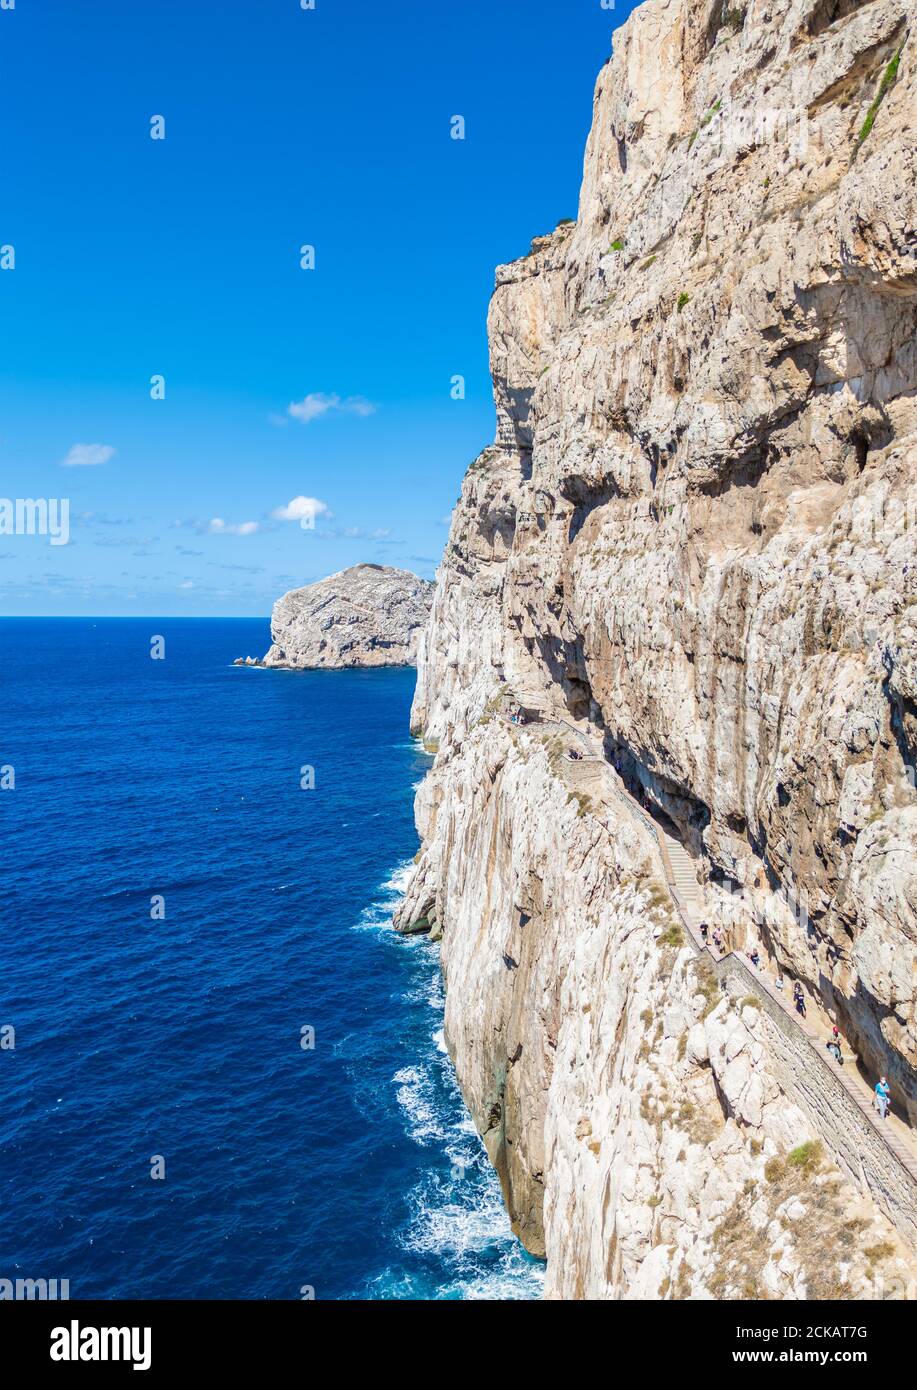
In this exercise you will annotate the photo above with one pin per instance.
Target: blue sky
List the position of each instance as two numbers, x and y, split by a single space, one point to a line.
180 257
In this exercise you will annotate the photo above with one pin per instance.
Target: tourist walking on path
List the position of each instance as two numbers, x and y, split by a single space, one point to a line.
834 1048
703 932
882 1098
754 957
799 999
718 940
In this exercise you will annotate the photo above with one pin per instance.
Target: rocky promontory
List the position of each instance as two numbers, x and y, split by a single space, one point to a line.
671 659
368 615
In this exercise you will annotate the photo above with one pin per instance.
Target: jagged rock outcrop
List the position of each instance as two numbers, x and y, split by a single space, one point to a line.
368 615
694 537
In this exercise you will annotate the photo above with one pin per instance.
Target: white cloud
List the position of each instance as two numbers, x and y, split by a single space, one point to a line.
302 509
319 403
219 527
86 455
188 584
359 533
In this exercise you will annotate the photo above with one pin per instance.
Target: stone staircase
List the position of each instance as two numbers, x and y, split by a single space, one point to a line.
684 879
880 1156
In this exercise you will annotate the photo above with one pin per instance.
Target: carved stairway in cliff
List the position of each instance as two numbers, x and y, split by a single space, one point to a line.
684 879
880 1156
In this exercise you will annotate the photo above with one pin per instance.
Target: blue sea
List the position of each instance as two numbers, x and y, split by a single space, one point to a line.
174 1043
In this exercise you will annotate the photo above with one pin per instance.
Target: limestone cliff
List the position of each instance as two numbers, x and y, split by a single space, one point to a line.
692 544
368 615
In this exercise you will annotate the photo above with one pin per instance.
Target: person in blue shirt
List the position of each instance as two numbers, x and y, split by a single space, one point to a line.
882 1097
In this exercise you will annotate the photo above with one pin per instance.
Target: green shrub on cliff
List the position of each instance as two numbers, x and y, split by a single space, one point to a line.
889 78
807 1157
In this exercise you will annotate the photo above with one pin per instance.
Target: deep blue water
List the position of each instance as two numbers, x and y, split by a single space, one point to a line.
352 1167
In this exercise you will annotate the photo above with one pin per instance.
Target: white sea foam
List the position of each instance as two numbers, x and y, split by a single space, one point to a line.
457 1223
399 880
444 1227
461 1223
457 1217
373 918
427 991
417 1097
391 891
514 1277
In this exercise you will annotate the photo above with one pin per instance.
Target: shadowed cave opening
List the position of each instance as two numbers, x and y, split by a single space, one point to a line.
828 12
903 722
565 664
672 806
586 498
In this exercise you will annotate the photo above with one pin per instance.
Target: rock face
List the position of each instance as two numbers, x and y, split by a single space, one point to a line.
369 615
695 538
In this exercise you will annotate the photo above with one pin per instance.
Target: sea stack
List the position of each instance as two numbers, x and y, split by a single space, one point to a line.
368 615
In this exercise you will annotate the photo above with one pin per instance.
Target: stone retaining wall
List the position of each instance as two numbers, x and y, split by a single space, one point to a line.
870 1153
872 1158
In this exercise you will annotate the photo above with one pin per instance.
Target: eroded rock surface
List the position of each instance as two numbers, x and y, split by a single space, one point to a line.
695 537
